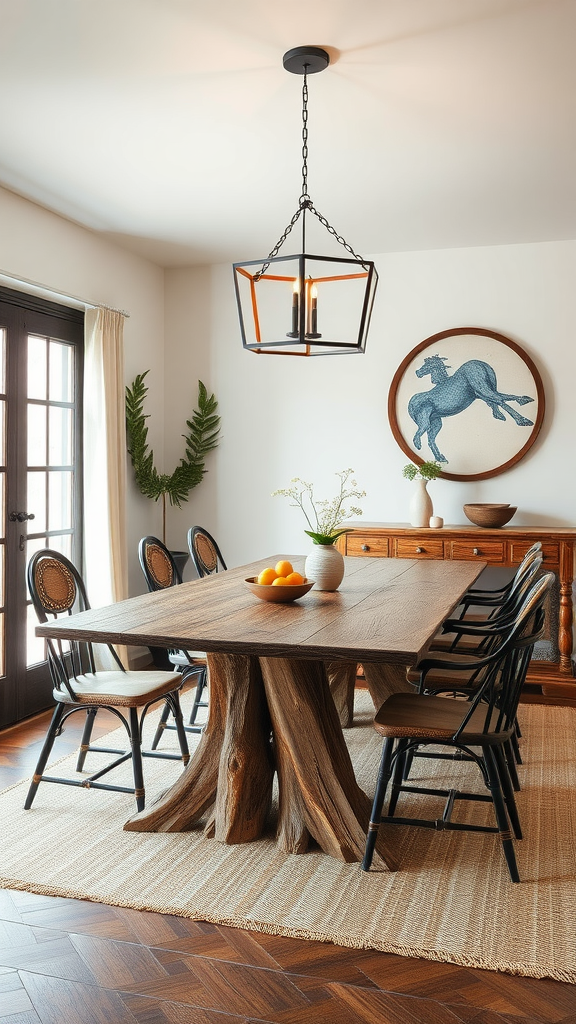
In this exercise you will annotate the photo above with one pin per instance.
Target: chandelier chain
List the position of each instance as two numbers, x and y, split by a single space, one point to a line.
305 202
304 195
338 237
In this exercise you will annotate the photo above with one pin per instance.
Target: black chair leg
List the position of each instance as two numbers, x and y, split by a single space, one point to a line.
161 726
174 699
136 745
408 762
200 687
402 755
381 784
501 816
508 792
511 761
45 753
85 741
516 747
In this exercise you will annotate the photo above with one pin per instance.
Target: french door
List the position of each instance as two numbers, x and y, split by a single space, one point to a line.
41 349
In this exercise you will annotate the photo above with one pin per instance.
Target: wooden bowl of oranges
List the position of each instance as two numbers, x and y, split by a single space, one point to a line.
279 584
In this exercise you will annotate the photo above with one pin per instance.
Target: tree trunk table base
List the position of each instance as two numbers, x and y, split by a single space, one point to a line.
270 714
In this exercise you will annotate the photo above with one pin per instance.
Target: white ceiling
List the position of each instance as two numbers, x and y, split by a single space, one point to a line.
171 127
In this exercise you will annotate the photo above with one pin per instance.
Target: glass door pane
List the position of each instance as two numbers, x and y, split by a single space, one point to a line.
41 353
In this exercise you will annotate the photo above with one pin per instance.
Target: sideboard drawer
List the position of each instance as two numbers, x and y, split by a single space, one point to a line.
468 550
412 547
371 547
550 552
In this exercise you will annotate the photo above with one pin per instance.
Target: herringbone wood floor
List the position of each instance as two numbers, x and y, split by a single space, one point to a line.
72 962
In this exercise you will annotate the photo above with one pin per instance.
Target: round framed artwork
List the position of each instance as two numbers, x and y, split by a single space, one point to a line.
468 398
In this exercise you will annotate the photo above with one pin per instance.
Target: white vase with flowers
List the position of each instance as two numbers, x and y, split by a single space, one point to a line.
325 564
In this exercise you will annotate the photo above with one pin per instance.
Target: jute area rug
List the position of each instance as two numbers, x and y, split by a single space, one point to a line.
452 899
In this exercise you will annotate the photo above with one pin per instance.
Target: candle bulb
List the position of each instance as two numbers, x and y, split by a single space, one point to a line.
314 303
295 329
307 301
295 291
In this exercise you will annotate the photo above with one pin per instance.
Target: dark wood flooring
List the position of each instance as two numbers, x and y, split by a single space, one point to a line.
68 961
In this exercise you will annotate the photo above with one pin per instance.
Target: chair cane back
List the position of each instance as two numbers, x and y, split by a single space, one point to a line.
204 552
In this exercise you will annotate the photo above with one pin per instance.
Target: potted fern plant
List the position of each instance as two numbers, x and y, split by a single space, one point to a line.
203 434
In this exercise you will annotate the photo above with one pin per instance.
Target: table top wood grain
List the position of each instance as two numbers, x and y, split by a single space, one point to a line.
386 610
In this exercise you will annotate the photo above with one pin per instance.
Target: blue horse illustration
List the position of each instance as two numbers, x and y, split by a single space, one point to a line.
452 394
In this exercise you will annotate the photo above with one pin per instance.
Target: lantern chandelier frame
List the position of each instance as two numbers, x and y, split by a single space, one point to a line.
286 291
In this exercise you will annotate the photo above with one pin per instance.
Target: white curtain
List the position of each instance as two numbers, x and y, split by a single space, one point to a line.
105 550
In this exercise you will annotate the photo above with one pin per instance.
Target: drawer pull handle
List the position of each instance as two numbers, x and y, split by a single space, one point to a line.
365 547
419 551
475 551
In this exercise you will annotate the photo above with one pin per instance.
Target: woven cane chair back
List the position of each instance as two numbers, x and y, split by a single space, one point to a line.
54 585
204 551
159 568
57 588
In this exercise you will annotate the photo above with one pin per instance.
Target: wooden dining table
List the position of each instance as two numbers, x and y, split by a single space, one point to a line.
271 708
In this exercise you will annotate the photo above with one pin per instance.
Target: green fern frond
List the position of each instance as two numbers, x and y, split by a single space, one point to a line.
202 438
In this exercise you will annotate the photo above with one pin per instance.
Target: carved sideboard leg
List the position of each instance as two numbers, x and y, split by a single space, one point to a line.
565 626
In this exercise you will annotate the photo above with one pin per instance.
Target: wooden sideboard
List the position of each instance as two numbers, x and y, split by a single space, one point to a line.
553 680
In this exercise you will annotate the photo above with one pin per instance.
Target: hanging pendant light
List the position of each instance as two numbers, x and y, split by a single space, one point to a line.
305 305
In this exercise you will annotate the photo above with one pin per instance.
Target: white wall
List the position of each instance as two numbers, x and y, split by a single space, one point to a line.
285 417
40 246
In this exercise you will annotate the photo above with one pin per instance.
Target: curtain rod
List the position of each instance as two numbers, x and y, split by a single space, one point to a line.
46 290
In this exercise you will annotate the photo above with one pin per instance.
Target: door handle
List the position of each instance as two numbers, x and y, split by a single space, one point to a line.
20 517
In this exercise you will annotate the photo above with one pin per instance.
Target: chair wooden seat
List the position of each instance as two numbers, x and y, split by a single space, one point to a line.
434 718
121 689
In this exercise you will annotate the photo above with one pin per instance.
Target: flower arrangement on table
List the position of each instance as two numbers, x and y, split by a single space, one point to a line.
324 517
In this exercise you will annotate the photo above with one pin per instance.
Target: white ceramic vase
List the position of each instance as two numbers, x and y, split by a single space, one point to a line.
325 565
420 504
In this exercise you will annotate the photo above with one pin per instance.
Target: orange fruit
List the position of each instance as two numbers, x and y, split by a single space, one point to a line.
280 581
266 577
295 579
283 568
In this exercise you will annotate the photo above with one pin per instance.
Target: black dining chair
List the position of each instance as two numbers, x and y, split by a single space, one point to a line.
204 551
56 588
474 730
481 607
484 600
160 572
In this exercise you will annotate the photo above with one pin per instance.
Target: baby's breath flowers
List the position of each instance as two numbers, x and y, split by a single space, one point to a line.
324 517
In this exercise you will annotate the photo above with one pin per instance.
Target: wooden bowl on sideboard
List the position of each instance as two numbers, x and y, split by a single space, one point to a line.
489 515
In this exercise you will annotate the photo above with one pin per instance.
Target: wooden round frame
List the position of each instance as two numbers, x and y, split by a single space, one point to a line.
400 435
